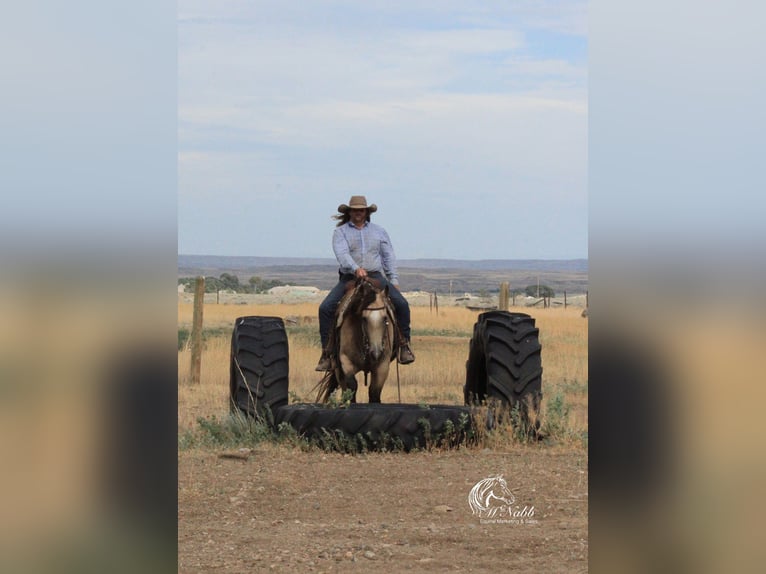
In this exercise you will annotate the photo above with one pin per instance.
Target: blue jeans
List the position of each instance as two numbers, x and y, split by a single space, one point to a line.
330 304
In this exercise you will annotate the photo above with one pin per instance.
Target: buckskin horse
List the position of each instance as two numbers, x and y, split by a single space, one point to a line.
362 339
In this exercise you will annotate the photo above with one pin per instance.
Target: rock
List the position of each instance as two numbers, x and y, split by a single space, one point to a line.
235 455
369 555
443 508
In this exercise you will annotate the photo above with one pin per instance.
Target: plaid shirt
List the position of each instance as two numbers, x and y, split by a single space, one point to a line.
369 248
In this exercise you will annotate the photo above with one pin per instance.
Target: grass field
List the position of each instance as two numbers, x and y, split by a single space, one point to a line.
440 342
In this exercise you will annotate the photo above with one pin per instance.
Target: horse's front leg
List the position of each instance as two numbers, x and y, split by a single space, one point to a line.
377 379
351 384
347 377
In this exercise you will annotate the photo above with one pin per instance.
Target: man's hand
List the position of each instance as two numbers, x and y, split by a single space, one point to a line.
360 273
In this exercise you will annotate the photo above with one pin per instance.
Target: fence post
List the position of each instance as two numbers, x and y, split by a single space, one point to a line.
196 334
502 302
436 303
565 299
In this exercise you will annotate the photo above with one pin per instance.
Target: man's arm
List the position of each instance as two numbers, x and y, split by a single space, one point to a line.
342 251
388 259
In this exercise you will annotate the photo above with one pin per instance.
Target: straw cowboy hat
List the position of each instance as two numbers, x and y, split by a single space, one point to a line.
357 202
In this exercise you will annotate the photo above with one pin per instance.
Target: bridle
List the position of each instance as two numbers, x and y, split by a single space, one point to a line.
365 346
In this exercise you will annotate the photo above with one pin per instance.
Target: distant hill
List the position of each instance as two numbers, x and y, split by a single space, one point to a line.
230 262
434 275
235 262
569 265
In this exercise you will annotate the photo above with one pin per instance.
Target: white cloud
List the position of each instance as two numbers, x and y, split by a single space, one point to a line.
401 100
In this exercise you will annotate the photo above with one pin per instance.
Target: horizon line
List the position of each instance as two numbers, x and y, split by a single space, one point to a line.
398 258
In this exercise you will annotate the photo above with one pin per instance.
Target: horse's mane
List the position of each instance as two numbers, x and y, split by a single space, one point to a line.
359 295
362 296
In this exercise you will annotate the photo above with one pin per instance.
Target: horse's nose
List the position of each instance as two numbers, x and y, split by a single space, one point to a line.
376 352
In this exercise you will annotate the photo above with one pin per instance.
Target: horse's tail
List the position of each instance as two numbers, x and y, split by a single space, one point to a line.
326 386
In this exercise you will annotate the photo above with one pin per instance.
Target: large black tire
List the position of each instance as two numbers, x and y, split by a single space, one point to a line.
259 370
504 363
364 426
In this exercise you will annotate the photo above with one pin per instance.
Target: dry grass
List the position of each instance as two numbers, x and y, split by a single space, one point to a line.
440 342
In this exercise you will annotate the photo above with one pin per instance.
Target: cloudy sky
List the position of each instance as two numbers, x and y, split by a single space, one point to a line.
465 122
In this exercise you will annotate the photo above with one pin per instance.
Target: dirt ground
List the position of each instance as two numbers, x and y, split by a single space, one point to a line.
280 509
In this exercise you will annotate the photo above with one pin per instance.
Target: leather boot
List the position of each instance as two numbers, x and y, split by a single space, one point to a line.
324 363
406 356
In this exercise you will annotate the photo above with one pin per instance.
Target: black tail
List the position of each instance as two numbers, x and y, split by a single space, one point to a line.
326 386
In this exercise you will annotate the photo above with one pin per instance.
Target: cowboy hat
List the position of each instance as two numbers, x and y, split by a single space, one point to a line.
357 202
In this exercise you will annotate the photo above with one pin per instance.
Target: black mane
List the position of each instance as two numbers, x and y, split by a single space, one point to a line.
363 296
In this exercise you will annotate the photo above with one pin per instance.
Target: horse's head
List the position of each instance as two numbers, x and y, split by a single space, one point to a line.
376 321
486 494
501 491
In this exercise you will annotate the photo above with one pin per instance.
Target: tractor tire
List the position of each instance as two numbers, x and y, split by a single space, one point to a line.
259 370
364 426
504 364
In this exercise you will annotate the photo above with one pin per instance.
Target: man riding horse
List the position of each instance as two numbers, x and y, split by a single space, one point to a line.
363 250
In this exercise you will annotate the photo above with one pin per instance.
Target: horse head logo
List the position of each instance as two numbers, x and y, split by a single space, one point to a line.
491 497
